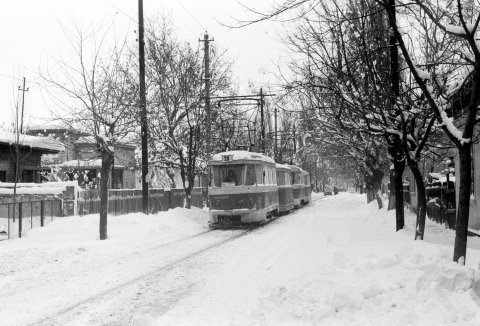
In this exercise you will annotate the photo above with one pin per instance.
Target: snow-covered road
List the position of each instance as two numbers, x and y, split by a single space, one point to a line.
337 261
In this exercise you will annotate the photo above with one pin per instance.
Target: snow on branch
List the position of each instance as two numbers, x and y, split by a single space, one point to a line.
459 30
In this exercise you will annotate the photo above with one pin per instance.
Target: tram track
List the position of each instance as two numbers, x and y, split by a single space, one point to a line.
165 267
209 239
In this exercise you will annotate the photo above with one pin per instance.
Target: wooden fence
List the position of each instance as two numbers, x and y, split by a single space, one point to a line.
124 201
19 218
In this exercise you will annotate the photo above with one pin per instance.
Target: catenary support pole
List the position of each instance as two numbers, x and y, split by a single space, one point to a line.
143 108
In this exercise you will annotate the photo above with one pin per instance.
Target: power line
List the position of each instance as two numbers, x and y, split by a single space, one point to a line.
193 17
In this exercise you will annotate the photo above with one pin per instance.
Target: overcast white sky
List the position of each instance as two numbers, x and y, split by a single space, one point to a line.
33 32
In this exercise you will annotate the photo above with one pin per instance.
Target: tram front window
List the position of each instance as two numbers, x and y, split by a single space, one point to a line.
228 175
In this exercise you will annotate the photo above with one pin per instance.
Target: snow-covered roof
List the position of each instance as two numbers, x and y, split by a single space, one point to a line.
241 155
91 140
441 177
47 126
295 168
31 141
435 175
86 164
283 166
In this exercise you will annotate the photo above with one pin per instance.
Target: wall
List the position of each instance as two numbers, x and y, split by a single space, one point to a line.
29 160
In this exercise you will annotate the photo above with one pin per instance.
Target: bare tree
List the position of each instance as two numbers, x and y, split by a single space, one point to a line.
95 94
176 89
457 21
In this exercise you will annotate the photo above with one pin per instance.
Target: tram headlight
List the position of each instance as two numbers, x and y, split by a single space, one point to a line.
240 203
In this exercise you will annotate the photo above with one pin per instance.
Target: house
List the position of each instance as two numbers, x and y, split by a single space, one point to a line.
28 156
80 159
460 101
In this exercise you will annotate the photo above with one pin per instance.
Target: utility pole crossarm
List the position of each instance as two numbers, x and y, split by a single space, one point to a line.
23 90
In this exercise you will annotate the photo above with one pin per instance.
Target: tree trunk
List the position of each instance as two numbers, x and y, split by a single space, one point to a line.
377 189
461 226
391 190
421 201
399 214
107 160
188 197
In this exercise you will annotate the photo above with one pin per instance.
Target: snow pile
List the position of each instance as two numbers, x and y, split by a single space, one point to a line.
399 289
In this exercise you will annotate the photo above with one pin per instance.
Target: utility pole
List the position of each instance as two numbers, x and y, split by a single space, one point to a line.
262 122
394 145
206 60
23 90
294 140
275 146
143 108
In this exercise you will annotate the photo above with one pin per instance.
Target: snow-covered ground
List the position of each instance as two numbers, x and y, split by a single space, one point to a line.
337 261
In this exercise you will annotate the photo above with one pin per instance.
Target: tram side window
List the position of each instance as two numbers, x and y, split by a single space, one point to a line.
259 174
250 178
296 178
268 177
281 178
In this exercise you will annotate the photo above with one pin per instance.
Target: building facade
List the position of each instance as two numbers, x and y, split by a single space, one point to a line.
80 160
26 153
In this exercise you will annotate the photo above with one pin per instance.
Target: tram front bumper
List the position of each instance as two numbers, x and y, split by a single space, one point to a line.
232 217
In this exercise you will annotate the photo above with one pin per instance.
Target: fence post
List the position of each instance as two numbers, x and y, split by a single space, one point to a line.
31 215
42 212
19 220
8 220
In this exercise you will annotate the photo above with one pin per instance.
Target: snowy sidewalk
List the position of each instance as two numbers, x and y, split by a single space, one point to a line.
337 261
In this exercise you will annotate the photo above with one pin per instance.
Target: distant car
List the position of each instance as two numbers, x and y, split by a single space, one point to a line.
327 191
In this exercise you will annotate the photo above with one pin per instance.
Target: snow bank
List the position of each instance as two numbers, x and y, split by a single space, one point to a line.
338 261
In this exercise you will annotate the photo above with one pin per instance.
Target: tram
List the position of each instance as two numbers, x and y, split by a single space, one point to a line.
243 188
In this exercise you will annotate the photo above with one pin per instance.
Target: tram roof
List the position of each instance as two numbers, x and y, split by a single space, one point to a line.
241 155
295 168
283 166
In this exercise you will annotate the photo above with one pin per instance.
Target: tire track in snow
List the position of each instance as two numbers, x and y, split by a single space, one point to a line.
50 320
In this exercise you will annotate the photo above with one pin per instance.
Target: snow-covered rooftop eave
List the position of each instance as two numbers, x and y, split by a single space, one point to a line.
46 145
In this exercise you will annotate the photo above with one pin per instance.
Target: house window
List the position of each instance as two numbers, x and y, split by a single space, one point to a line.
30 176
117 179
3 176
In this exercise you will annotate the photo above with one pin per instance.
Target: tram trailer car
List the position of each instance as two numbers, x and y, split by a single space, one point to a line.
285 188
298 186
307 192
243 188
